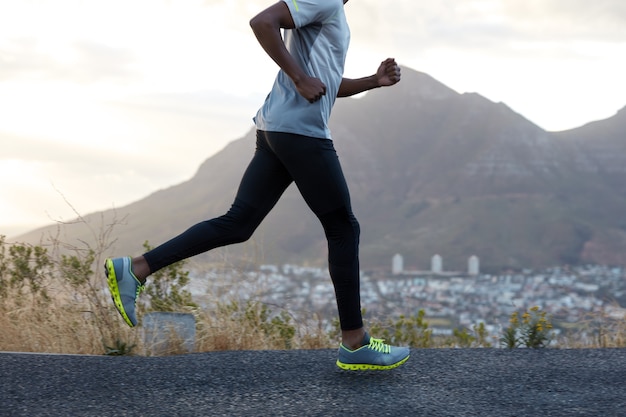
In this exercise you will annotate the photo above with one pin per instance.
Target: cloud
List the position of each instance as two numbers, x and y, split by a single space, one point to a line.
20 58
138 132
63 157
599 17
86 62
98 62
487 24
44 181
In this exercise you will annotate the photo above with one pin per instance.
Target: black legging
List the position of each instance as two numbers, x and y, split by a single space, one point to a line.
279 159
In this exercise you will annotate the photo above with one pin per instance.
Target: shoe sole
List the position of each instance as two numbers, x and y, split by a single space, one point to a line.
109 269
369 367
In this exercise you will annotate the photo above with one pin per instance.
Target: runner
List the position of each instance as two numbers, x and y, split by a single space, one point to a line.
293 144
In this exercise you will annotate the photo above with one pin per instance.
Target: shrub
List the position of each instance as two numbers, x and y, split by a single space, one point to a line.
534 330
410 331
166 288
244 326
464 339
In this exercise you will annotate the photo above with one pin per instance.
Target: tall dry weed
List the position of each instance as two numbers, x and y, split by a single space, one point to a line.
252 325
53 296
605 328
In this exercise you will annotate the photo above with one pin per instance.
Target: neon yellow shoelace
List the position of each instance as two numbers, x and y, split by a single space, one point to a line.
379 345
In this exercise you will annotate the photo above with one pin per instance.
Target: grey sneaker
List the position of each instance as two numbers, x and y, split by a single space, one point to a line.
373 355
124 286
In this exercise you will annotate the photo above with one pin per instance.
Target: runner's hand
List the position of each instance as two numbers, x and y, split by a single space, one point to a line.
388 73
311 89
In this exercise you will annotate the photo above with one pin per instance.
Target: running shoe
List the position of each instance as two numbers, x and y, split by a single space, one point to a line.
124 286
373 355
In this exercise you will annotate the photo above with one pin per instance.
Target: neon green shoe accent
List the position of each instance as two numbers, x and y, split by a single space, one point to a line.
295 4
369 367
379 345
115 291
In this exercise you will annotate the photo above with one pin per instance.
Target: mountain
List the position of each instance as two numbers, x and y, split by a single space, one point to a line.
430 171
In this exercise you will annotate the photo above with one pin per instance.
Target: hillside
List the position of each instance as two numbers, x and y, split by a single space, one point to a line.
431 171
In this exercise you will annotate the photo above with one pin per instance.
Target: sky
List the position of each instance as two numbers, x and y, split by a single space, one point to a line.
104 102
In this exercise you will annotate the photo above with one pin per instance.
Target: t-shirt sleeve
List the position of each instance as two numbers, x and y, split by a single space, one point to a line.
307 12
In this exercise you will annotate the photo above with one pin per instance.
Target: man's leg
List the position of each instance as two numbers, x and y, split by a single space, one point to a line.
263 182
261 186
315 168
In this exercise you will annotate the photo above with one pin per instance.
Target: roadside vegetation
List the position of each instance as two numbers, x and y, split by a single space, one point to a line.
54 299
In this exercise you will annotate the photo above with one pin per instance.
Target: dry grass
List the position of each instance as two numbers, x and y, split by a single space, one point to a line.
245 327
74 329
58 329
51 300
602 329
71 330
66 325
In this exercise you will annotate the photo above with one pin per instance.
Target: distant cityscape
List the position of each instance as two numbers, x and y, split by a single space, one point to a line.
451 299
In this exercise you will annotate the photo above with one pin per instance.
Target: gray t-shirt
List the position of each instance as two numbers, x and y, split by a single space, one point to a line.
319 43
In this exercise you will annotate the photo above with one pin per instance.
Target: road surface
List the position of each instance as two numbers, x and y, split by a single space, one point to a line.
434 382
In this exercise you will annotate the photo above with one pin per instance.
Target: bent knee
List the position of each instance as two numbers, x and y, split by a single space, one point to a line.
341 223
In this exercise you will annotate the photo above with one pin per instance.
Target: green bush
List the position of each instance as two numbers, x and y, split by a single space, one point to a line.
464 339
165 290
410 331
534 330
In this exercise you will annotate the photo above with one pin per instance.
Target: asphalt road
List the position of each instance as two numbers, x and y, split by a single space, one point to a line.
434 382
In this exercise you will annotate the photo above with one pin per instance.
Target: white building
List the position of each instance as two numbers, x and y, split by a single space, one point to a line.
473 265
397 264
436 264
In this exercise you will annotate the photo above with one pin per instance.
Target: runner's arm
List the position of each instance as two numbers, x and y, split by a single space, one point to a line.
388 74
266 27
